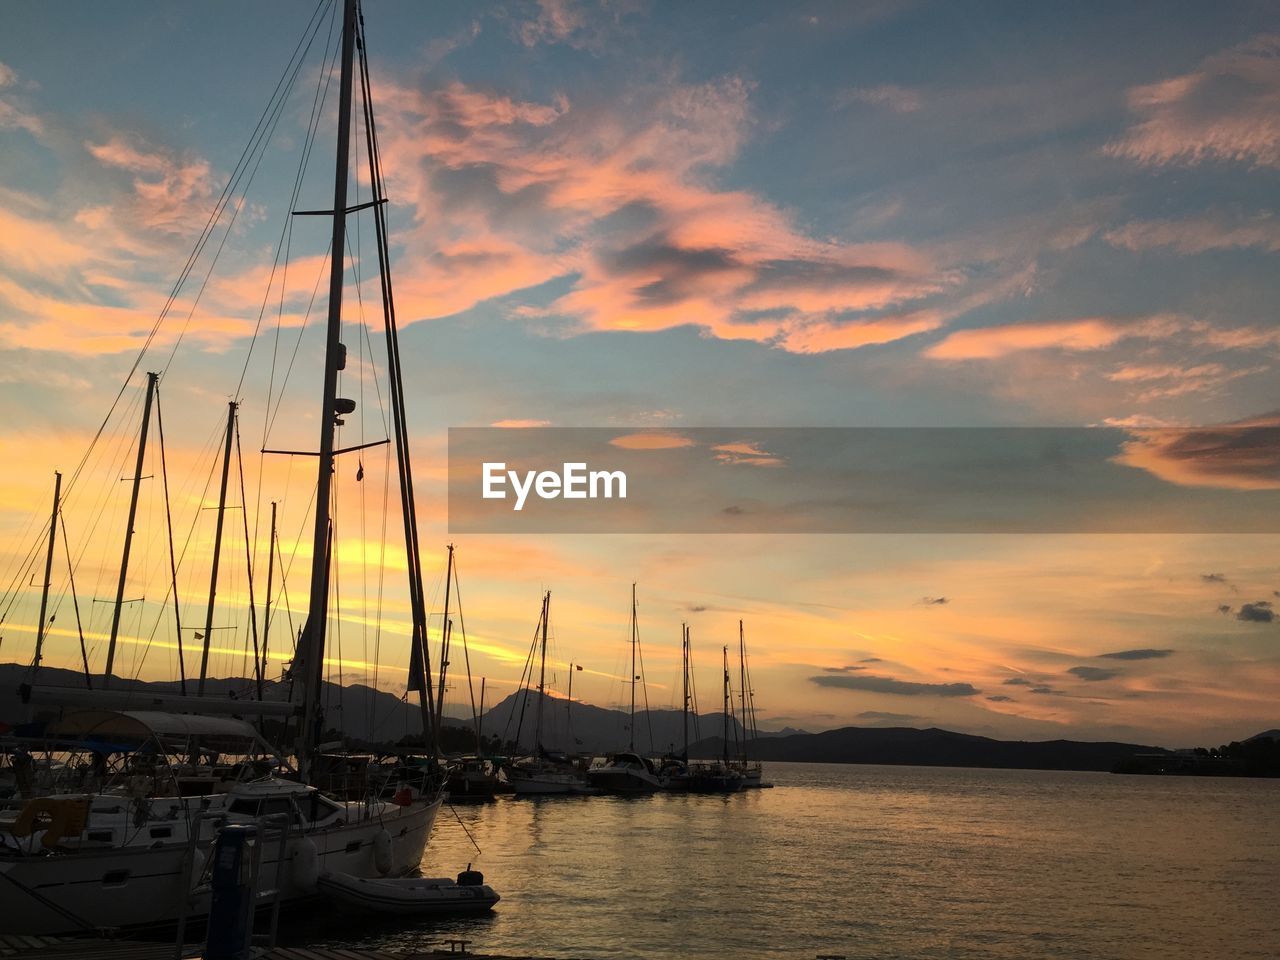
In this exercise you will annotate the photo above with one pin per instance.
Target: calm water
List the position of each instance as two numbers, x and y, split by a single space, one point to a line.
875 862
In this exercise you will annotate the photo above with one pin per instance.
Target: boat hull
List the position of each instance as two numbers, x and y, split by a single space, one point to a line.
133 887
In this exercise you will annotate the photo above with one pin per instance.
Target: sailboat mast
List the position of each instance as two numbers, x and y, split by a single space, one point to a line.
542 673
48 570
725 736
152 378
632 725
420 657
684 657
742 685
334 360
217 548
271 569
479 721
444 643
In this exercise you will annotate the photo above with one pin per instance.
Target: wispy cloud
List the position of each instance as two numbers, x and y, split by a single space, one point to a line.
1228 109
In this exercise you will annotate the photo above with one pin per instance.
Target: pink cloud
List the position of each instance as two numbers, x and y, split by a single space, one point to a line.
1239 456
991 343
1196 235
171 193
619 204
1228 109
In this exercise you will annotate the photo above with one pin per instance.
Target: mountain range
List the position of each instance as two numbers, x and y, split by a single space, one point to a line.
375 716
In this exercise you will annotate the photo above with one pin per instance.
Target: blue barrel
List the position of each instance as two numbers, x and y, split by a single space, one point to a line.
231 909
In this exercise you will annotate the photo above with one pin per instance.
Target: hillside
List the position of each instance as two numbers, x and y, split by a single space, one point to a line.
933 747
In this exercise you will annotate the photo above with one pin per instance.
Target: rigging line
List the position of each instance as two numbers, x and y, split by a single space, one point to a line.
318 101
298 176
17 586
462 626
22 577
382 565
207 230
422 655
320 275
75 602
257 145
323 78
207 451
248 560
644 689
173 561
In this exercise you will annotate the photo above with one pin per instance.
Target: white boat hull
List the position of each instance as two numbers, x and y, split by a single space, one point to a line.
122 887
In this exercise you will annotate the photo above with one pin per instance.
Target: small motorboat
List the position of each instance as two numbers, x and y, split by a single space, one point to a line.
411 896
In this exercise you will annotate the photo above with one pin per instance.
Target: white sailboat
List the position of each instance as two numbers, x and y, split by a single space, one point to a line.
629 771
128 847
543 773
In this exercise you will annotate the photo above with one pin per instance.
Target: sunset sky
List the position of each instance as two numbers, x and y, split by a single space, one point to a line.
660 216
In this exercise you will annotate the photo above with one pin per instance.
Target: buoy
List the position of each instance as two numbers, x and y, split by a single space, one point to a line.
306 864
382 852
470 878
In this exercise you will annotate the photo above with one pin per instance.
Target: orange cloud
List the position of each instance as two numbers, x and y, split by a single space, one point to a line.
1228 109
1237 456
990 343
620 206
652 440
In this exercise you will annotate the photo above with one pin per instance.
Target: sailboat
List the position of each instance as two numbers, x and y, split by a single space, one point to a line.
752 771
629 771
133 851
543 773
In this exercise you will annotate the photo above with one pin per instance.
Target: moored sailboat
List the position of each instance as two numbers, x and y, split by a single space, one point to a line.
133 851
629 771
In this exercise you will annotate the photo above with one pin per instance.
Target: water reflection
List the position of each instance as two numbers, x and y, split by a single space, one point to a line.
877 862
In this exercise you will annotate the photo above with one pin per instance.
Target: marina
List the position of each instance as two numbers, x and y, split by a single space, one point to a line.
320 318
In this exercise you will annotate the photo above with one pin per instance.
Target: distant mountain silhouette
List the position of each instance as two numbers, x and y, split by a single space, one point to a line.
375 716
932 748
1265 735
583 727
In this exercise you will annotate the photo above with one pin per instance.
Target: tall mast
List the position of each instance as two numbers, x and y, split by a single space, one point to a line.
271 569
684 657
725 736
542 673
312 649
742 692
632 725
48 570
217 548
152 378
479 721
444 643
420 657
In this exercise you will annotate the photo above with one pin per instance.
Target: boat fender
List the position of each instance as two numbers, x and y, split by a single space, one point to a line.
382 852
470 878
306 865
403 797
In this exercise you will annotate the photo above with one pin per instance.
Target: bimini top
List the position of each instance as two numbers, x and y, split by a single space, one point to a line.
138 726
